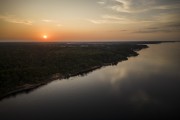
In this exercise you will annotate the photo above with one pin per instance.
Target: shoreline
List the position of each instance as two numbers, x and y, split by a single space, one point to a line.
57 76
30 87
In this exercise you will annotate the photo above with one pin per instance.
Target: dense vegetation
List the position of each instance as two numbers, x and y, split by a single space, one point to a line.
31 63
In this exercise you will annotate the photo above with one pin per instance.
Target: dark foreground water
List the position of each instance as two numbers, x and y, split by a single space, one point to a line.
147 87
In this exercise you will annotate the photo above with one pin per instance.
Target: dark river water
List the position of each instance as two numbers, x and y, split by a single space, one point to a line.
143 87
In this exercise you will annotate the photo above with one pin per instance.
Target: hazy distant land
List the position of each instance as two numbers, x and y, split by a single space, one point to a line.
24 66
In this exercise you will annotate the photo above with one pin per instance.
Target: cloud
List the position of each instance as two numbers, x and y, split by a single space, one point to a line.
114 19
152 31
102 2
167 21
175 25
109 21
137 6
14 19
118 30
97 21
165 28
146 16
48 21
120 6
162 30
53 22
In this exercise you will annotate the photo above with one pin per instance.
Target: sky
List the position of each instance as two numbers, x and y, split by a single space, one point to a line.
89 20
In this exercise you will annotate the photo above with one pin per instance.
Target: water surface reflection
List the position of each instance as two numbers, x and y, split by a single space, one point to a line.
145 87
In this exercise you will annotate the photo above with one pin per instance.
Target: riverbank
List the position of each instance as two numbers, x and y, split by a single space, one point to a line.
77 60
30 87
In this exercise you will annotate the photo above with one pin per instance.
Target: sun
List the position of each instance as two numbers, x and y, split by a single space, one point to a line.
45 36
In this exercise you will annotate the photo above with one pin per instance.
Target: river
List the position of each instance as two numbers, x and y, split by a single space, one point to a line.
146 86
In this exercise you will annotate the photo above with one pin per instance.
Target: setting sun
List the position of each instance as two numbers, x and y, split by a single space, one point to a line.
45 36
